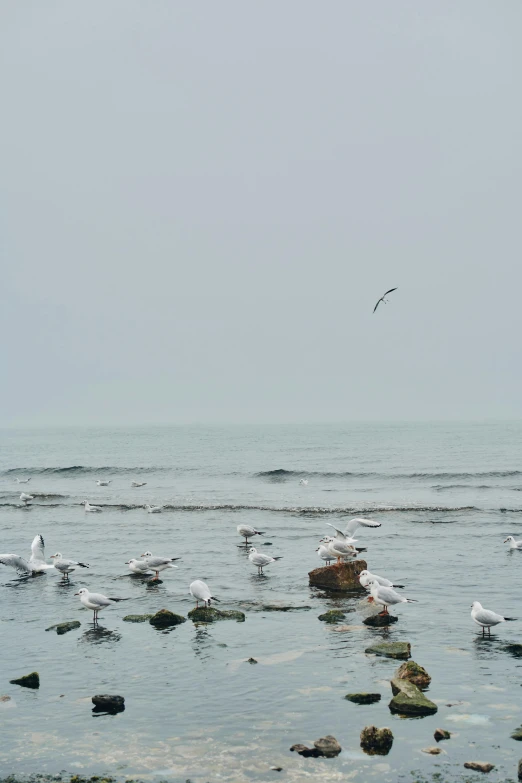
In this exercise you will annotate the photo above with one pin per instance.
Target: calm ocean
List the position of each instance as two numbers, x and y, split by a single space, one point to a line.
447 496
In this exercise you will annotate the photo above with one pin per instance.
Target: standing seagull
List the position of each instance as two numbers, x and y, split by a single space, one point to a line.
138 566
386 596
485 618
201 592
158 564
260 560
382 299
247 531
65 566
25 498
36 563
95 601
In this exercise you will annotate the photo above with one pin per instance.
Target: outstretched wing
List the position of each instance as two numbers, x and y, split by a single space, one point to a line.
377 305
37 549
16 562
340 533
389 292
354 524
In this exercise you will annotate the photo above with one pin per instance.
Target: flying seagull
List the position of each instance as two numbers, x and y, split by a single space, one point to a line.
382 299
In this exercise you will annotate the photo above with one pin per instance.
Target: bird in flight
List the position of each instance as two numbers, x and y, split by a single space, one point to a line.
382 299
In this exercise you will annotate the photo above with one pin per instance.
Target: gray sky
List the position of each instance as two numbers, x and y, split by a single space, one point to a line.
201 203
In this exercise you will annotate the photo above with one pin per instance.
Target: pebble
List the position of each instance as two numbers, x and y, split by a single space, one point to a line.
433 751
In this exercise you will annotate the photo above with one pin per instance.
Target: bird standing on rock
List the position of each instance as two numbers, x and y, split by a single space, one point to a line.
138 566
201 592
386 596
248 532
158 564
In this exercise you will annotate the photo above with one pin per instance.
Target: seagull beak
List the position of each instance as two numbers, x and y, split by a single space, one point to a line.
127 562
77 594
55 555
507 539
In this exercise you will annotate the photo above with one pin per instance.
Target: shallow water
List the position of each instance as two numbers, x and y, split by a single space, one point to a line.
447 497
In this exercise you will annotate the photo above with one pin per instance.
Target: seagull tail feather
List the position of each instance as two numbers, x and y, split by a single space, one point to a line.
510 619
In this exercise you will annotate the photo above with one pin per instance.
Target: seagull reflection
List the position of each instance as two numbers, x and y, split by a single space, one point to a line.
100 635
202 642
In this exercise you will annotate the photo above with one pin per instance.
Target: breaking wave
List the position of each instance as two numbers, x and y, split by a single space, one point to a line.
280 474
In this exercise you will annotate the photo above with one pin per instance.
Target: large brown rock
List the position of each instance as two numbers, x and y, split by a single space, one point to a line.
414 673
334 577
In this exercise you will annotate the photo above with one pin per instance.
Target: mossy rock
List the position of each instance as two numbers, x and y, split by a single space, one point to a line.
62 628
414 673
28 680
391 649
208 614
376 742
275 608
332 616
380 620
442 734
165 619
363 698
517 734
410 700
137 618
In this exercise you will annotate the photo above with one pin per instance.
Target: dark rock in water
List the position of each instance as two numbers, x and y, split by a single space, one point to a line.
274 608
267 543
327 746
251 660
414 673
137 618
334 577
517 734
514 649
108 703
332 616
380 620
520 769
363 698
304 751
62 628
376 742
391 649
441 734
409 700
165 619
479 766
207 614
28 680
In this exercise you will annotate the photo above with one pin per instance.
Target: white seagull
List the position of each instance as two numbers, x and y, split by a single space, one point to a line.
152 509
138 483
95 601
25 498
512 543
365 577
260 560
36 563
248 532
158 564
341 545
23 481
386 596
304 482
325 554
487 619
354 524
201 592
65 566
101 483
138 566
88 506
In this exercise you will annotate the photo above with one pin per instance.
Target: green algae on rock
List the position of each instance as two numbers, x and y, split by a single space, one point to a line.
410 700
363 698
414 673
391 649
332 616
62 628
137 618
376 742
28 680
165 619
208 614
275 608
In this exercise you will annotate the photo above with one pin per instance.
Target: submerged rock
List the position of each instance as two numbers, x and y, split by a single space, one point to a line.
433 750
514 649
479 766
275 608
28 680
208 614
517 734
414 673
332 616
363 698
376 742
137 618
380 620
441 734
328 746
410 700
303 750
108 703
62 628
165 619
251 660
343 577
391 649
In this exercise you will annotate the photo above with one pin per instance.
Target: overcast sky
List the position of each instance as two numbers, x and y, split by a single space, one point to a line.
202 202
